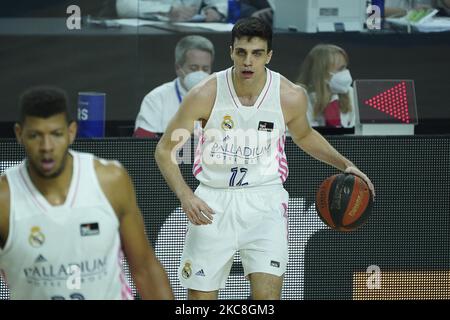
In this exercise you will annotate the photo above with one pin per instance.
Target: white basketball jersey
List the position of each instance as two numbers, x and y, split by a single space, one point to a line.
243 146
70 251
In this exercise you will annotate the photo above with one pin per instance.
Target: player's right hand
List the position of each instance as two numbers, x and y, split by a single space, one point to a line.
197 211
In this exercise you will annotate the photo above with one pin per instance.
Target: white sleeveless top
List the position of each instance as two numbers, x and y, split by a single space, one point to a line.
243 146
69 251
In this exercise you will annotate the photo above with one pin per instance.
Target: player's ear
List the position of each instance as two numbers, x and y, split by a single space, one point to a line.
269 56
18 132
179 71
73 128
231 52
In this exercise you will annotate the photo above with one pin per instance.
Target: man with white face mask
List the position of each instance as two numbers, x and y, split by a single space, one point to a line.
328 82
194 56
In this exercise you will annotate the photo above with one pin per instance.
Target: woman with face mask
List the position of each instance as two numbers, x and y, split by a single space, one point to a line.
326 78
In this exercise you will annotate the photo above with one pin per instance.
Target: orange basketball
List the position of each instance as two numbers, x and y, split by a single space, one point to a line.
344 202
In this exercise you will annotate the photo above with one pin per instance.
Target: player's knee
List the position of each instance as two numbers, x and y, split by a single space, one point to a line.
202 295
271 294
265 286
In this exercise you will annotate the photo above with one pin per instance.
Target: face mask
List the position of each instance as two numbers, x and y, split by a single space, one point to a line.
341 81
193 78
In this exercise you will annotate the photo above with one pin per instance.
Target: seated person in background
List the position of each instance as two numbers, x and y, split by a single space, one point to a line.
172 10
218 10
444 6
191 10
328 82
399 8
194 56
262 9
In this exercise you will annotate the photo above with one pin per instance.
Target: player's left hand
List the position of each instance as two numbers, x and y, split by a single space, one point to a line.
359 173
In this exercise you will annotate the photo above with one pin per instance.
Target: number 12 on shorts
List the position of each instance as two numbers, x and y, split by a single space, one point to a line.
234 174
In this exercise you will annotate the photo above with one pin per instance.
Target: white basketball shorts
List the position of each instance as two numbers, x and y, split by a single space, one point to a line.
252 221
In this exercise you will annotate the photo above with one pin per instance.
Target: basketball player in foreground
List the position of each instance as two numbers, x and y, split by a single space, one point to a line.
240 162
65 216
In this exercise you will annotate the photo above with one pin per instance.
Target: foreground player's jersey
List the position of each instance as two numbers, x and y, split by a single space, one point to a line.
70 251
243 146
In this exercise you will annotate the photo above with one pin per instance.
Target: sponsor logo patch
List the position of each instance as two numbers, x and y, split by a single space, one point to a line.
89 229
265 126
274 264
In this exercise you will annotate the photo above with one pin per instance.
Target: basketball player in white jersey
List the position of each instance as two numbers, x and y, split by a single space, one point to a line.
240 204
66 216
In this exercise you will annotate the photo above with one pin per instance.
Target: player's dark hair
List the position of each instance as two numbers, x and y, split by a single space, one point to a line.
252 27
43 102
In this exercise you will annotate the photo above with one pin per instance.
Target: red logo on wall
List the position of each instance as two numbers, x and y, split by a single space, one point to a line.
386 101
392 102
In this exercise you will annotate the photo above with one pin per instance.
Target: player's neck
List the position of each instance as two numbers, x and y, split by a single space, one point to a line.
249 89
55 189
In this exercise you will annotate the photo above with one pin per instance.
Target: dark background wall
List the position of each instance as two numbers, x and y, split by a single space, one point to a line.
408 231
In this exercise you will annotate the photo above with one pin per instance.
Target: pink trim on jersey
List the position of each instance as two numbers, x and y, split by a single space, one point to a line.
197 162
75 192
283 176
197 167
200 169
283 168
267 89
125 290
229 88
30 190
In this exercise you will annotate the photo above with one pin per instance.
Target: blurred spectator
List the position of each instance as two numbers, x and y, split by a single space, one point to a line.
191 10
443 6
194 56
172 10
328 82
262 9
399 8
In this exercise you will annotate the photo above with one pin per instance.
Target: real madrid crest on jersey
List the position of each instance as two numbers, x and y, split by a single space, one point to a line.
227 123
36 237
187 270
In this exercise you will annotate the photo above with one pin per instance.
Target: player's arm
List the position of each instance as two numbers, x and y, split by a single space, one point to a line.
4 210
148 274
196 105
294 104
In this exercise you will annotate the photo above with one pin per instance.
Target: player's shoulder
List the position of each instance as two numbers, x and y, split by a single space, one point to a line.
109 172
206 88
4 209
200 100
292 95
287 87
4 186
4 193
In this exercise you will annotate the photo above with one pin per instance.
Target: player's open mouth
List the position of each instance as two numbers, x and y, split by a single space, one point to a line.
47 164
247 73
